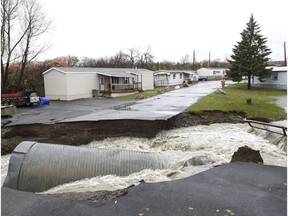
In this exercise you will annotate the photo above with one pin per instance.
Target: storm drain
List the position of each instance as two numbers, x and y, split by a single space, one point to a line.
37 167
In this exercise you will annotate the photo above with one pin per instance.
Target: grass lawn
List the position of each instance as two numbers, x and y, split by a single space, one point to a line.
235 100
146 94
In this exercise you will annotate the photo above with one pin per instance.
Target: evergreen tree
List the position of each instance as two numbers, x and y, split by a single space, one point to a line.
251 55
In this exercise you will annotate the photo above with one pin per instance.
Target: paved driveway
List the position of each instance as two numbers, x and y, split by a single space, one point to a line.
58 111
159 107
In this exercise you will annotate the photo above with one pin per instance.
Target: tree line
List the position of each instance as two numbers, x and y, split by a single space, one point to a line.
23 23
136 59
33 78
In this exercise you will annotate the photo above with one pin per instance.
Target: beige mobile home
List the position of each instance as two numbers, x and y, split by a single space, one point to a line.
211 73
70 83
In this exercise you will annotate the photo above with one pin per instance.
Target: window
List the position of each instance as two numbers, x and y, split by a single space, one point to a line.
180 75
115 80
101 80
126 80
174 76
275 76
216 72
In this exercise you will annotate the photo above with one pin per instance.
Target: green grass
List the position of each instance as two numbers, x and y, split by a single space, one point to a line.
235 100
146 94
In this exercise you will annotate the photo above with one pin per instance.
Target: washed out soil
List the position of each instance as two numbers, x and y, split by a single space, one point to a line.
79 133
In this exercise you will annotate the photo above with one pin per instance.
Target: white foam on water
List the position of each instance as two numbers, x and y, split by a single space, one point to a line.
4 167
112 182
217 142
214 145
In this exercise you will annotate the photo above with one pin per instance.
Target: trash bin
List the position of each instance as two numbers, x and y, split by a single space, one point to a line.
94 93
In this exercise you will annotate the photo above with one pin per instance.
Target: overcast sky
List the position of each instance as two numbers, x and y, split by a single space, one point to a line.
172 28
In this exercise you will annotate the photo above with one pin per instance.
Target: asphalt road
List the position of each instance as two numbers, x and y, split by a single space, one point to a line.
160 107
244 189
233 189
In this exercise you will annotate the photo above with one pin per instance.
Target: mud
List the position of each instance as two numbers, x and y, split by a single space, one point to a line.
79 133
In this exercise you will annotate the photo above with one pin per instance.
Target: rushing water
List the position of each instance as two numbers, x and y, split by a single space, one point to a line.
186 151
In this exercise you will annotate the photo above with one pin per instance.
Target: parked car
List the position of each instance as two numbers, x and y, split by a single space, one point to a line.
202 79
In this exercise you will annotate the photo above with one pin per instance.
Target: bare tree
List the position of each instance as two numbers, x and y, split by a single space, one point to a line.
119 60
88 62
9 12
144 59
132 56
140 59
185 59
71 61
22 23
148 57
185 62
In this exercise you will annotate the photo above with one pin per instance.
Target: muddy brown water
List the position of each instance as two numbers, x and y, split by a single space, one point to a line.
79 133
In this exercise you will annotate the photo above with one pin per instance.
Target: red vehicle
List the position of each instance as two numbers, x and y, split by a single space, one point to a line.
25 98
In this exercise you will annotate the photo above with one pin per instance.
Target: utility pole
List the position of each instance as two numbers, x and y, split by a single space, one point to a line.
209 59
193 57
285 58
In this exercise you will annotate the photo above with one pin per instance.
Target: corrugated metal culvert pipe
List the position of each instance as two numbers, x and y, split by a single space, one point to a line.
37 167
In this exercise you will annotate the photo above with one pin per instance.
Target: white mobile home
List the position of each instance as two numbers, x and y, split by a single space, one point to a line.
278 79
70 83
211 73
174 77
146 77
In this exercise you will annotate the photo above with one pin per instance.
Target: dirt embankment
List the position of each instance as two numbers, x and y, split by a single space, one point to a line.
79 133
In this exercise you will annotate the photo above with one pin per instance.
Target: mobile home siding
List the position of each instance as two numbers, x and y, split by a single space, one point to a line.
211 72
176 78
147 81
80 85
277 80
74 83
55 85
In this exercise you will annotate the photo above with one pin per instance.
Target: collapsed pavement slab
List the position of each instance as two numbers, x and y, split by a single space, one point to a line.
237 188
